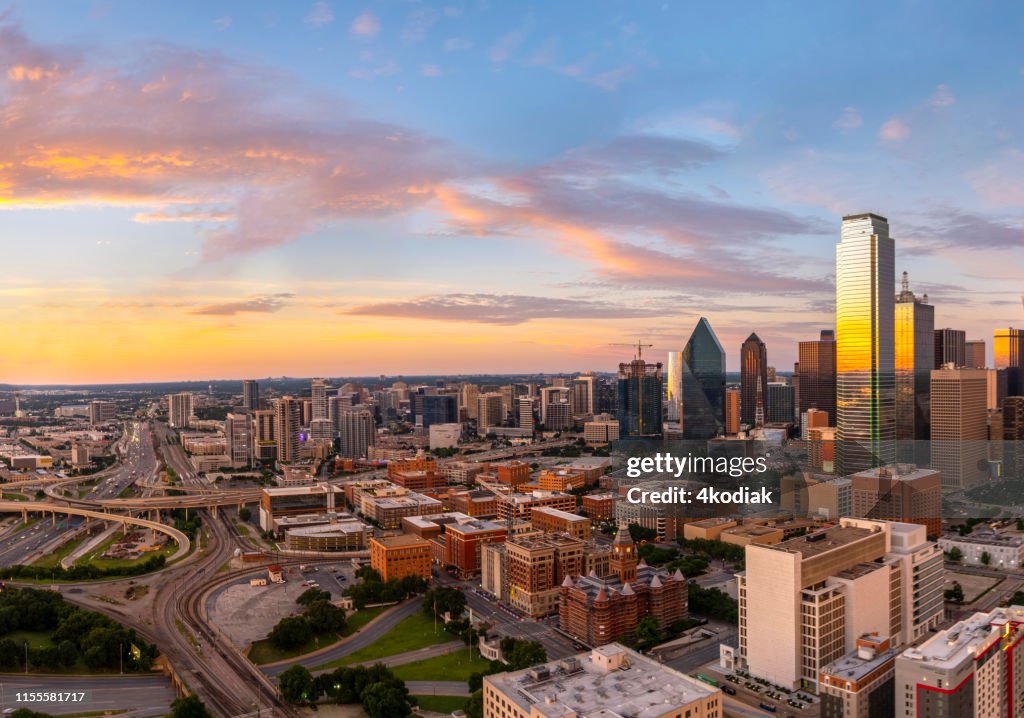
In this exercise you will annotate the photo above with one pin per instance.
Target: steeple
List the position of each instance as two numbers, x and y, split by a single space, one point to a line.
623 559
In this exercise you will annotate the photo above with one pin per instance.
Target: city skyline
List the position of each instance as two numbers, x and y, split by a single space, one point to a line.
297 177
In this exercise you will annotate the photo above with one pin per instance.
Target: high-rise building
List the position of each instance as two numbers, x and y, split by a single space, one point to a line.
959 426
998 386
971 669
803 602
674 386
250 395
703 384
264 429
780 402
437 409
358 432
815 375
180 410
976 358
552 395
753 378
100 412
639 399
287 422
1013 435
468 395
319 397
490 412
950 348
1008 353
899 493
525 417
238 436
865 359
584 395
732 411
915 358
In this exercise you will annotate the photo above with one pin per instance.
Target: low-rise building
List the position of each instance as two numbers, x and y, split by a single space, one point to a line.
337 533
994 549
551 520
395 557
461 543
600 506
861 684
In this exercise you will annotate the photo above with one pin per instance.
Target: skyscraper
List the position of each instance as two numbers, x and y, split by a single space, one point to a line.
865 359
674 386
976 354
950 347
238 433
703 383
490 412
779 399
915 359
583 395
753 365
287 423
250 395
180 410
815 378
1008 353
358 432
639 399
732 411
319 394
959 426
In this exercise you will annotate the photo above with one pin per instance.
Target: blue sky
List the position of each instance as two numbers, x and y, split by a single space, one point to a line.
464 187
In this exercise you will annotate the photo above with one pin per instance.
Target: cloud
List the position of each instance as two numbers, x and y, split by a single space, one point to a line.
457 44
507 44
430 71
610 79
850 119
267 304
222 23
368 73
636 153
1000 182
942 97
185 215
418 24
366 25
319 15
504 309
959 229
894 130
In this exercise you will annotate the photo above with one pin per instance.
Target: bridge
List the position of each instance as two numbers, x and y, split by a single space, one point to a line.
27 507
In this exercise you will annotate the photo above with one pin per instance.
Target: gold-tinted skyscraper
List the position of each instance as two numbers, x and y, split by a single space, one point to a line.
1008 353
865 361
915 359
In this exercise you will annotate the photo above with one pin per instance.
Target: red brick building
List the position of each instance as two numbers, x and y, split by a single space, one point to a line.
462 542
599 507
601 610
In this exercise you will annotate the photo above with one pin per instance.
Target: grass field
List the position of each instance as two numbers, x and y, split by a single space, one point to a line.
359 619
53 559
455 666
441 704
412 633
263 652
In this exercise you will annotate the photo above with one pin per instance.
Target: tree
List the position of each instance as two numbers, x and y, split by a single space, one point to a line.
311 595
475 705
438 601
986 558
386 700
245 513
955 594
1017 599
521 654
956 555
291 632
297 684
640 533
325 617
368 573
648 632
189 707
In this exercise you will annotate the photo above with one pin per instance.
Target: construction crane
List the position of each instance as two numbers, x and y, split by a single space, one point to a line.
639 348
506 496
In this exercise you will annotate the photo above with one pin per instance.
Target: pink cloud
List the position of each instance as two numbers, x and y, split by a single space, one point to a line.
942 97
894 130
366 25
319 15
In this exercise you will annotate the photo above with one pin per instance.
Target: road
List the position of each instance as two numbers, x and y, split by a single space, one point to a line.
556 645
147 695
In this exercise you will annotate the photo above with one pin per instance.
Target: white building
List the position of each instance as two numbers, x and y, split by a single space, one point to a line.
445 436
1004 551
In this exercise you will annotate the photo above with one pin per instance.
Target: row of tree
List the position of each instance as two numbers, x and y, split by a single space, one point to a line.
375 687
319 616
373 589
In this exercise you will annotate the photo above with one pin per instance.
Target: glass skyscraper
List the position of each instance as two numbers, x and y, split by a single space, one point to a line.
865 337
816 375
753 365
1008 353
703 384
639 400
674 386
914 356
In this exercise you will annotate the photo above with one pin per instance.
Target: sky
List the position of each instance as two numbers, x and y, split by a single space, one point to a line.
200 190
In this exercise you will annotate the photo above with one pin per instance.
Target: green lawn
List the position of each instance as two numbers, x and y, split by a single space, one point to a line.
53 559
441 704
15 497
414 632
450 667
36 639
263 652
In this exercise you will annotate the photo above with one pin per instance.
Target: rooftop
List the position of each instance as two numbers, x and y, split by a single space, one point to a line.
401 540
612 681
831 539
948 649
855 666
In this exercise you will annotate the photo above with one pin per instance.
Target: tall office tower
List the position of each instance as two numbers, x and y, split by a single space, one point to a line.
467 399
732 411
552 395
703 384
804 602
899 493
250 395
959 426
674 386
781 404
1013 435
437 409
975 349
970 670
950 348
525 414
305 411
998 386
238 436
753 366
101 412
265 425
358 432
815 375
639 399
559 417
321 430
180 410
915 359
490 412
319 393
1008 353
865 359
583 395
288 419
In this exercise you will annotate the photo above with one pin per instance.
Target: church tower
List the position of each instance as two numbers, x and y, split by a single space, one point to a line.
623 559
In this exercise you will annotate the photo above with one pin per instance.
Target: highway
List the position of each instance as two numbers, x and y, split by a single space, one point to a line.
142 695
